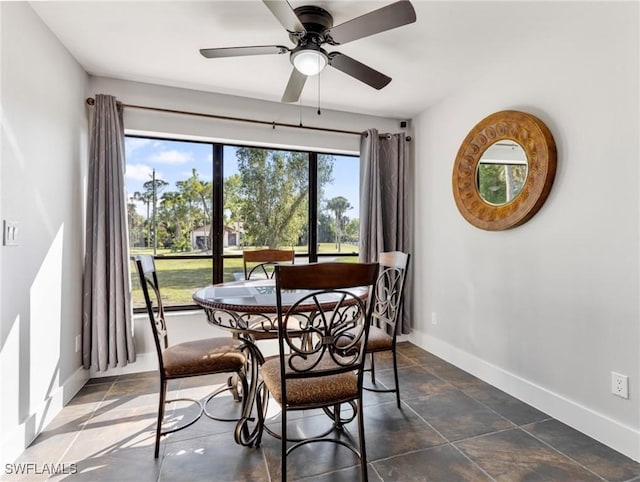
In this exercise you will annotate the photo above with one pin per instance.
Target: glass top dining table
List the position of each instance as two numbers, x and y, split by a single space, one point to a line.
238 305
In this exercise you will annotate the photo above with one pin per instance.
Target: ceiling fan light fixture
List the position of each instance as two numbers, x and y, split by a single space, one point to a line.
309 61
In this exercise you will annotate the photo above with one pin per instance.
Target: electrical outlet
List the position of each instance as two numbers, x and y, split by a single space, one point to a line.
434 318
620 385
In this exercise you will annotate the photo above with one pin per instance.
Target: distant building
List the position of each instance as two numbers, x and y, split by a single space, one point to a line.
200 236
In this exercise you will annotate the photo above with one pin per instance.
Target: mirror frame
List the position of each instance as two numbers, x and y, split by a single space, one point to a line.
540 148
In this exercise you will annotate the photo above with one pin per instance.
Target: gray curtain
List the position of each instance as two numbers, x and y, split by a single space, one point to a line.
384 202
107 330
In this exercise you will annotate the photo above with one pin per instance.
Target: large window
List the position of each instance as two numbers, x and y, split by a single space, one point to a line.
197 205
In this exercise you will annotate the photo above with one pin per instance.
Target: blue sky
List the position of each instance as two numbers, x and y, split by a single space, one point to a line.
174 160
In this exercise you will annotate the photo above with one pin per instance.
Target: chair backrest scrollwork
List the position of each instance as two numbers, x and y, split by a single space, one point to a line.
389 290
326 328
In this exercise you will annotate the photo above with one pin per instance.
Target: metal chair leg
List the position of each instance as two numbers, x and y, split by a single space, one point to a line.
162 397
283 441
337 422
361 443
395 375
373 369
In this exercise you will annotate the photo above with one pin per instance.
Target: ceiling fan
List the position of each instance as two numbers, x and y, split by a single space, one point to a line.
310 28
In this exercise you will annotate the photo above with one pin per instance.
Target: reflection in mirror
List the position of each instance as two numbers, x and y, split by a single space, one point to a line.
502 172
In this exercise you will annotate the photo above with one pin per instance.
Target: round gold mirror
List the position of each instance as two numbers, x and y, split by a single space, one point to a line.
504 170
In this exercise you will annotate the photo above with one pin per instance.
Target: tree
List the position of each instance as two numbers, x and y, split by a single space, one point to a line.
174 213
352 231
273 193
198 197
326 229
338 206
146 199
136 225
149 197
500 183
233 204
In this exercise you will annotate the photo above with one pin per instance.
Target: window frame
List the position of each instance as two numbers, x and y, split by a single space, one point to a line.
217 166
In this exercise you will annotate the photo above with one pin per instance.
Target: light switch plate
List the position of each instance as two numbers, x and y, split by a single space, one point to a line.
9 233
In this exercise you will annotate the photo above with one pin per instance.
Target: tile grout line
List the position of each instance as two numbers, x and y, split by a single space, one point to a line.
448 442
514 426
562 453
82 427
473 462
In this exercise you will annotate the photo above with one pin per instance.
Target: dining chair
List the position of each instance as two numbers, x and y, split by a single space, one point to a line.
324 367
260 263
388 296
189 359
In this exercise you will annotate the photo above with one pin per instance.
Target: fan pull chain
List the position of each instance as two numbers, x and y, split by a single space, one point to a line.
300 112
319 113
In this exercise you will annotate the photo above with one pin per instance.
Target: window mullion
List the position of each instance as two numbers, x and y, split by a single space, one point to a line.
313 207
217 221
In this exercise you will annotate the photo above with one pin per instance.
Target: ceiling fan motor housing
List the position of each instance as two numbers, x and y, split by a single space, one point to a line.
316 21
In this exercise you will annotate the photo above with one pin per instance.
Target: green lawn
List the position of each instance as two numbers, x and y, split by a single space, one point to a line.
179 278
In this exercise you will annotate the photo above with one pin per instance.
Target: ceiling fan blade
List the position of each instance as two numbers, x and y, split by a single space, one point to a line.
285 15
385 18
358 70
294 86
241 51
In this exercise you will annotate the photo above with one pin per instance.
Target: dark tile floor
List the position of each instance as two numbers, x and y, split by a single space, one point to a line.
452 427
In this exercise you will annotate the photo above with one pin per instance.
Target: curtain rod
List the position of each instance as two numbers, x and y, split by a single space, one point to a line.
91 101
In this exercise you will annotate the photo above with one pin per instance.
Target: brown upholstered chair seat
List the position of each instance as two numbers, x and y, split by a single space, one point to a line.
379 340
310 391
202 357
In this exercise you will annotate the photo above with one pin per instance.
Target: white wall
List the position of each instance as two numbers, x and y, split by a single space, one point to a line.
134 93
44 145
547 310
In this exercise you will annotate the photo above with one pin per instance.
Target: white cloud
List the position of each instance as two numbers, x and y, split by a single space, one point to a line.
171 157
138 172
133 144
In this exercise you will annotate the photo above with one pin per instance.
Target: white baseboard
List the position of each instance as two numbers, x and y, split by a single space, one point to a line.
620 437
145 362
17 440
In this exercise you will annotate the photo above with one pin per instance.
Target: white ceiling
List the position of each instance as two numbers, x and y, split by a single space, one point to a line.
450 44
